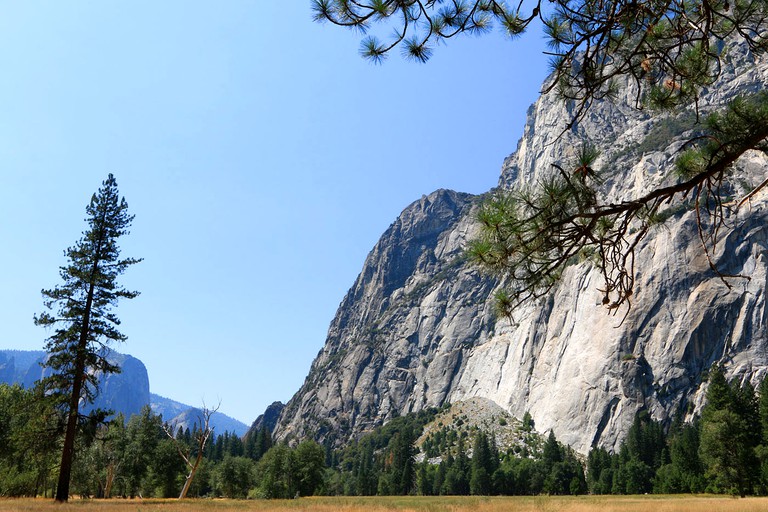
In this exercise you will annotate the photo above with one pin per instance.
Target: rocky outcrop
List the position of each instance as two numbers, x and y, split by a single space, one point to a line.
126 392
417 328
400 336
267 420
15 364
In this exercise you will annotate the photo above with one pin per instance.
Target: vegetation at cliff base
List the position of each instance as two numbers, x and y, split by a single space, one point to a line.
722 452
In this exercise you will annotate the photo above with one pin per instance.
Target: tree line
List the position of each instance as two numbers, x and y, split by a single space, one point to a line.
136 457
724 450
452 462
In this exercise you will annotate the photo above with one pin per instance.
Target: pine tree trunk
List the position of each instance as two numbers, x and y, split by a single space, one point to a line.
68 452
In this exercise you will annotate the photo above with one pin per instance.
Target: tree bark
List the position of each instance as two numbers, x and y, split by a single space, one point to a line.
191 476
68 452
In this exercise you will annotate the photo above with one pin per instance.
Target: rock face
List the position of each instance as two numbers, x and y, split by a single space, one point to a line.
126 392
15 364
401 335
268 420
417 329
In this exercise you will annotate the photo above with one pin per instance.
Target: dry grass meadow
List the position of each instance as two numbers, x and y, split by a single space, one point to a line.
408 504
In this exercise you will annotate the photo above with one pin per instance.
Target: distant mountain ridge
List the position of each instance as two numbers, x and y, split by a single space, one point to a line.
185 416
125 392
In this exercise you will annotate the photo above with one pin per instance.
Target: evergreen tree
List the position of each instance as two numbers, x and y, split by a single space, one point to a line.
599 471
81 314
423 480
402 470
263 441
437 485
560 470
482 466
763 408
745 405
728 439
143 432
762 450
249 446
685 472
365 471
551 453
719 395
258 443
462 467
528 423
454 483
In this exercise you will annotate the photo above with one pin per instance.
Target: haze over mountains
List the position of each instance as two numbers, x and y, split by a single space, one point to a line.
126 392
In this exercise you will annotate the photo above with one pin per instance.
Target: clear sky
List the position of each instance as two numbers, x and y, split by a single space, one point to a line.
261 155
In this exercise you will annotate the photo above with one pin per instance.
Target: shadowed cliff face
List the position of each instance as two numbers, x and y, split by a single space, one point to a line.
124 392
416 329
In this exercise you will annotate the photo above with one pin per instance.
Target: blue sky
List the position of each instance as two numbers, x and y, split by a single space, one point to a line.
261 155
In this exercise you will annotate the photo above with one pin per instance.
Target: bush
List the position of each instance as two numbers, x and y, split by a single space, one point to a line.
15 483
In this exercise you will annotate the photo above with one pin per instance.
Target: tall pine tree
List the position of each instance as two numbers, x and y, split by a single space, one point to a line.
729 435
80 311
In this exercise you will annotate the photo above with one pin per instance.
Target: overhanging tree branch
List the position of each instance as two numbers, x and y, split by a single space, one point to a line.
667 51
532 235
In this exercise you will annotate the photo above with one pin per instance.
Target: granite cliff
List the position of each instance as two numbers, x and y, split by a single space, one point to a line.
126 392
416 329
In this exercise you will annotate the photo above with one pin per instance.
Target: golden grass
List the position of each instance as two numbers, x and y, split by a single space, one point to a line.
685 503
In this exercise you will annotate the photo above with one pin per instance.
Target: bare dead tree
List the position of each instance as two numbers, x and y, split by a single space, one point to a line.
200 440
